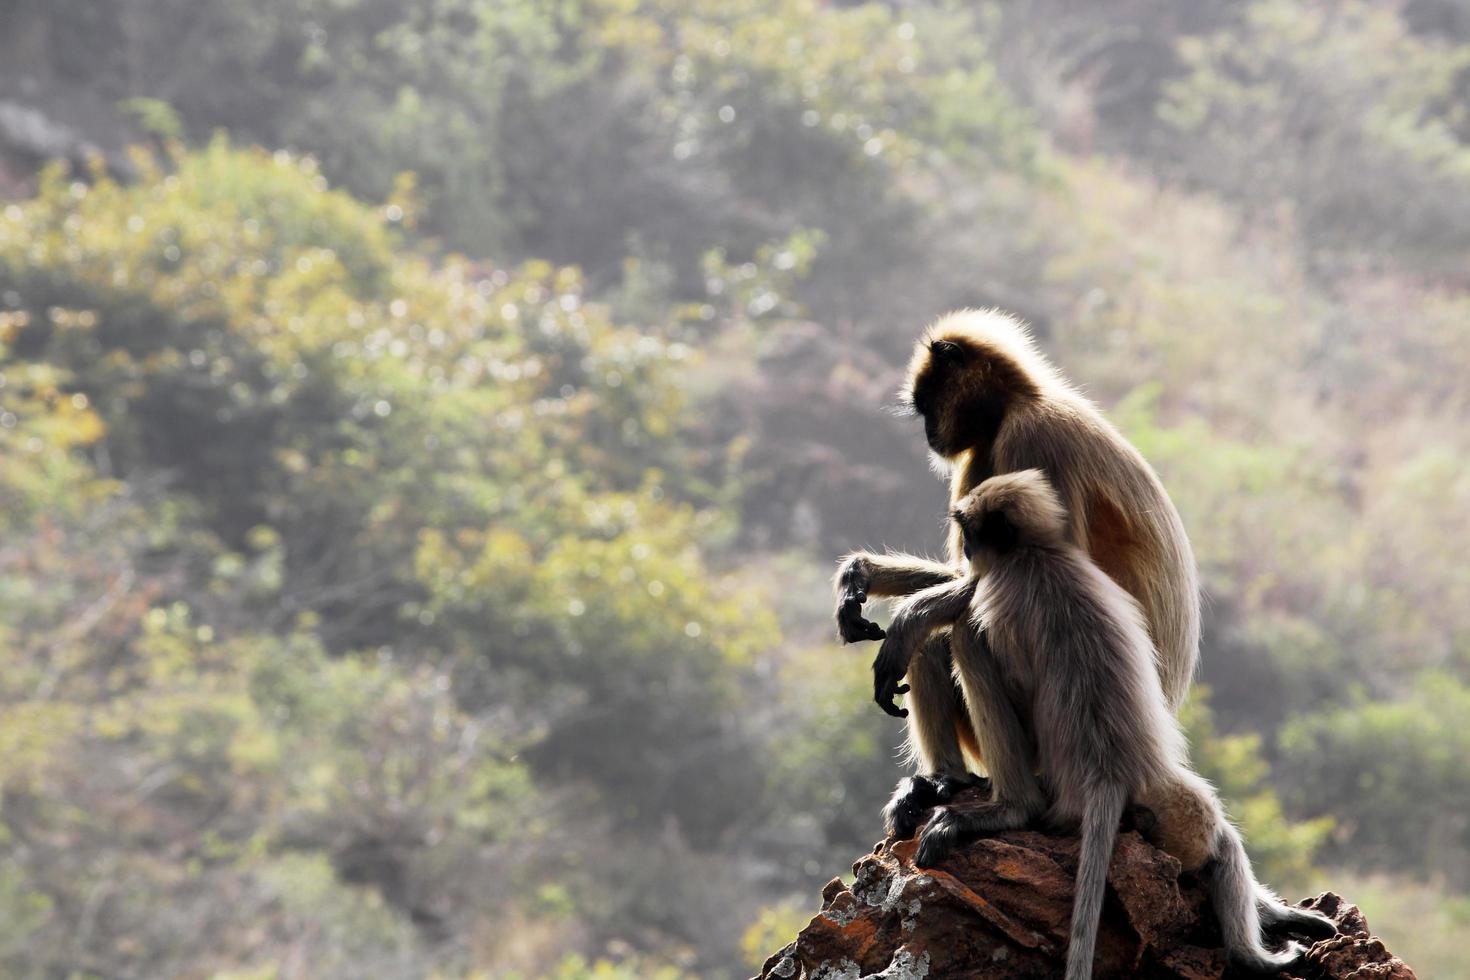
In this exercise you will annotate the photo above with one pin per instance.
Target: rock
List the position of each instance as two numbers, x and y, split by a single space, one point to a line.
1001 907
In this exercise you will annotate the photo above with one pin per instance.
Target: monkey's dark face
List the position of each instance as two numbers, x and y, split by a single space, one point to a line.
1007 512
987 534
934 390
961 391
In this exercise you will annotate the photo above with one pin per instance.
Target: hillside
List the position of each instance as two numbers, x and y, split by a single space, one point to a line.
427 428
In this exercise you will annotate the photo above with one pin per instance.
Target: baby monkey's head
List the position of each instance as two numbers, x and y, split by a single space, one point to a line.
1008 512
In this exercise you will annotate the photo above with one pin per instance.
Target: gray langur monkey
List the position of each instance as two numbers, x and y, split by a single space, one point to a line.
1070 649
992 404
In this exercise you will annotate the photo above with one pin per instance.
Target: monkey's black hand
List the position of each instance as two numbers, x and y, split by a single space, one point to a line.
852 592
888 670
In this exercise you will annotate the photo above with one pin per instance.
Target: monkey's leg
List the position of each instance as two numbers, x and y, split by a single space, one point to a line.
863 573
937 723
1005 746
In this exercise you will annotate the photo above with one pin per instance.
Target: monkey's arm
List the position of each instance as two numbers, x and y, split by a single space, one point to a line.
916 617
863 573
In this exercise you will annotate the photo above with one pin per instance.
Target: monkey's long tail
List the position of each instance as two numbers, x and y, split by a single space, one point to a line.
1234 891
1099 834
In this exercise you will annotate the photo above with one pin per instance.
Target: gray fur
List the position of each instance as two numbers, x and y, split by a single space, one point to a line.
1118 512
935 749
1235 893
1002 736
1099 833
1069 648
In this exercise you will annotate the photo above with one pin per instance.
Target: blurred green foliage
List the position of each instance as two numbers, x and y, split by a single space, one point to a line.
1410 749
1327 105
386 497
1281 849
420 468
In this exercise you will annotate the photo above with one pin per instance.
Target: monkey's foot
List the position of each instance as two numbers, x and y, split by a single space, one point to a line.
952 826
916 794
948 787
912 796
1281 919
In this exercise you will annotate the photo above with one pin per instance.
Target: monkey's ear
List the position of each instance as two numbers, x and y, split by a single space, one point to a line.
947 351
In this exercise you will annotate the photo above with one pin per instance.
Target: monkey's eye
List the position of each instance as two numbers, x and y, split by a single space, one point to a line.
947 351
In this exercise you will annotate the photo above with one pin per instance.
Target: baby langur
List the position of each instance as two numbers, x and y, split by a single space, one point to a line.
1072 650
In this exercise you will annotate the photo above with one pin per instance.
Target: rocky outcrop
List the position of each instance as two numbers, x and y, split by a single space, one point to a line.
1000 908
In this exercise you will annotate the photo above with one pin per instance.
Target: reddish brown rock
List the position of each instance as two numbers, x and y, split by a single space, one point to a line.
1000 908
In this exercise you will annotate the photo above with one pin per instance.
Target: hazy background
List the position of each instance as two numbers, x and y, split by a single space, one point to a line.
423 454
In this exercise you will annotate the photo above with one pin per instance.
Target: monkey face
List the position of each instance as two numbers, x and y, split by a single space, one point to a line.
986 533
934 392
1007 512
962 387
